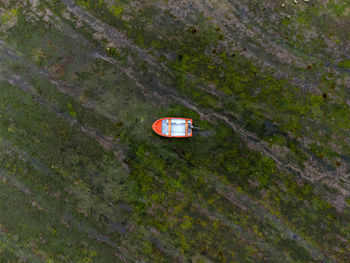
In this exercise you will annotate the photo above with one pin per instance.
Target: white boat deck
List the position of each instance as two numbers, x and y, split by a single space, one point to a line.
178 127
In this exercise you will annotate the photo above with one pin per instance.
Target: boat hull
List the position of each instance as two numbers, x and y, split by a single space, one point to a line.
173 127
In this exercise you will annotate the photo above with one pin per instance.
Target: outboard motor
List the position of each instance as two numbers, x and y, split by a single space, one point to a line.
193 127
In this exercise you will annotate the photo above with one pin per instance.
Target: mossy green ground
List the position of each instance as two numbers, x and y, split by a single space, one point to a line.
83 177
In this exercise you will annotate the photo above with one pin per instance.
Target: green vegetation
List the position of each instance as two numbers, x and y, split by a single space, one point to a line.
344 64
84 179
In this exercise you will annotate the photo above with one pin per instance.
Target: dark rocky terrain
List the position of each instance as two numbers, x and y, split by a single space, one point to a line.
83 178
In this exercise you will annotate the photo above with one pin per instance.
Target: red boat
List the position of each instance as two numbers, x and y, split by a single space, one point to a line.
173 127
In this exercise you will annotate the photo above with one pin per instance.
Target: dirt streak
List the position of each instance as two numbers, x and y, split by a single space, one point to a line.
113 35
312 171
252 140
18 250
245 235
106 142
92 233
241 232
256 208
17 80
12 181
241 199
233 18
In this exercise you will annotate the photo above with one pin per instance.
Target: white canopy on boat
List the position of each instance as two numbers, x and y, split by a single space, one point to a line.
178 127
